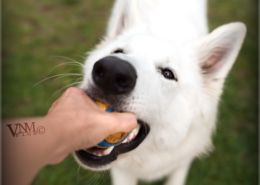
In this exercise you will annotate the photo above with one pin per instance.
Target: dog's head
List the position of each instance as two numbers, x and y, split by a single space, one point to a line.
168 87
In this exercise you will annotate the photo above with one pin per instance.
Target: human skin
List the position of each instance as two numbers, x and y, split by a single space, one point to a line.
73 122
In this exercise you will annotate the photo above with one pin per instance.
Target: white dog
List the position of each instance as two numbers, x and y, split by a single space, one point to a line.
159 62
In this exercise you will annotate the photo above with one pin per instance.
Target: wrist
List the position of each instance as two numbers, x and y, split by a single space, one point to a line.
57 137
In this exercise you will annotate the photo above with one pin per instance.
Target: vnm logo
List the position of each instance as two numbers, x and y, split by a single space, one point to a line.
25 129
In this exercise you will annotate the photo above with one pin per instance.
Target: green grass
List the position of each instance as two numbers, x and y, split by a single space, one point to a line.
36 31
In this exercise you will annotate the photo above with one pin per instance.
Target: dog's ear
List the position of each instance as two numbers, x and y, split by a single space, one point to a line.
117 20
218 51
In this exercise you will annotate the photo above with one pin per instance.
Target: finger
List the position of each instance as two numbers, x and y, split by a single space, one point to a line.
119 122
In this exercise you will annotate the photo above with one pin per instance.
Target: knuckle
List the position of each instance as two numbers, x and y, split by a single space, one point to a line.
72 89
55 103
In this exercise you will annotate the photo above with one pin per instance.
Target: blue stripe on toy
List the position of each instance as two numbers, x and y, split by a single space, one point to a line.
104 143
110 110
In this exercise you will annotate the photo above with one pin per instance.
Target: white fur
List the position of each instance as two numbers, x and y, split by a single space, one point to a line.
181 114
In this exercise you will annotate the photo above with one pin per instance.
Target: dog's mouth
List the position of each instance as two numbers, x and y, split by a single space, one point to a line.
96 157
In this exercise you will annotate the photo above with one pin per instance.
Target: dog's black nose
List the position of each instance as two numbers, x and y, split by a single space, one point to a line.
114 75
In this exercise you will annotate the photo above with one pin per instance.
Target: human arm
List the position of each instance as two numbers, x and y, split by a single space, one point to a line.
73 122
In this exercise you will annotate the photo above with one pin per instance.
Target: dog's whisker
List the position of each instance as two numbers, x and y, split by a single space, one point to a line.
70 85
98 178
88 174
77 174
78 80
101 177
84 58
105 176
65 63
59 75
92 178
70 59
68 75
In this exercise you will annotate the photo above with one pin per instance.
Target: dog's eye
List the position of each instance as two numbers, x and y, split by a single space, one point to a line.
118 51
167 73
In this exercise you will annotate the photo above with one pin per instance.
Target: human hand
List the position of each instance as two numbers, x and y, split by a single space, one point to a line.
83 123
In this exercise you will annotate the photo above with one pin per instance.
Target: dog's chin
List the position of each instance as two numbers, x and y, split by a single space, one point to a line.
96 159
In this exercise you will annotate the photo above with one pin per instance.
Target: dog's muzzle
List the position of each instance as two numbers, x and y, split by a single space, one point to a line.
114 75
114 79
96 158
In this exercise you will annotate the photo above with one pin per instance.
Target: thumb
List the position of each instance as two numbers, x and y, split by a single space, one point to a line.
120 122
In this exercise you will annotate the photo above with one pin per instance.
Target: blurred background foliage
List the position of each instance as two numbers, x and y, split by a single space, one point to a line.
39 35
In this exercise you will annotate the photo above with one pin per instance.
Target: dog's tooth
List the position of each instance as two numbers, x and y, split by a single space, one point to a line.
131 136
125 141
98 154
108 150
136 130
